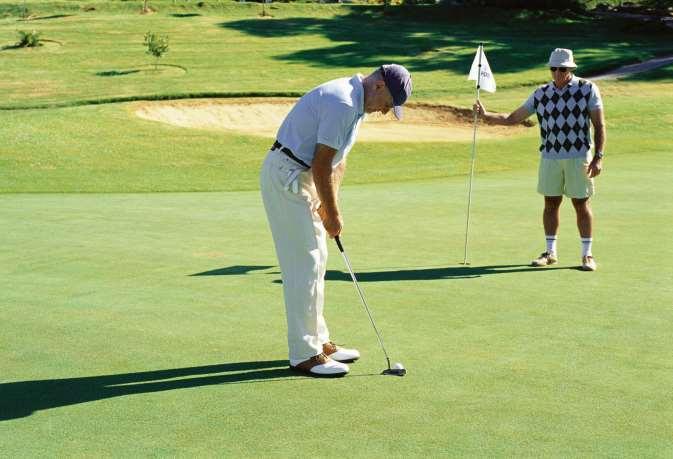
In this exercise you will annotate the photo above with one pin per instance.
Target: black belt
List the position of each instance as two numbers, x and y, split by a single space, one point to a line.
288 152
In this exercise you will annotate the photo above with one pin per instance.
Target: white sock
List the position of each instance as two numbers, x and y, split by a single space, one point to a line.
551 243
586 246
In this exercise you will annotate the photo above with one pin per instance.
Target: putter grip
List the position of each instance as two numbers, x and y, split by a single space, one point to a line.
338 241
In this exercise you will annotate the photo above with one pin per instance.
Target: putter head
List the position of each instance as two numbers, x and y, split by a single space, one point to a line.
394 371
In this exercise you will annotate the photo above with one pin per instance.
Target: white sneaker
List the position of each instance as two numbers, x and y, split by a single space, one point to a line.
588 263
321 366
545 259
340 354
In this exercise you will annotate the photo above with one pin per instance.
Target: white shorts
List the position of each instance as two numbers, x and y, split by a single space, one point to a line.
557 177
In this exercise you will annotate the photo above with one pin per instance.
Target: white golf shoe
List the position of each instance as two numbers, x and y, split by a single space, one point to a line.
588 263
340 354
545 259
320 366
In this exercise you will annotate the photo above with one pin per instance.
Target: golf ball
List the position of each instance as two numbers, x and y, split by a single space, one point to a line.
398 366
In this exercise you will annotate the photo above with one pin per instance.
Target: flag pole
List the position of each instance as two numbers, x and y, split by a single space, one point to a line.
474 154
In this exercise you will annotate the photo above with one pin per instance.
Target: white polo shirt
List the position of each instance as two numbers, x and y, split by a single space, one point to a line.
329 114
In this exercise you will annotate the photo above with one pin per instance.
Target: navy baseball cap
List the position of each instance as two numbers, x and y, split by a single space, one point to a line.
398 82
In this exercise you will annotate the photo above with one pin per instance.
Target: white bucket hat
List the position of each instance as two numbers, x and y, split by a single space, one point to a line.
562 57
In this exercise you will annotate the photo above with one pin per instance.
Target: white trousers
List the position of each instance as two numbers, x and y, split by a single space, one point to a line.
290 199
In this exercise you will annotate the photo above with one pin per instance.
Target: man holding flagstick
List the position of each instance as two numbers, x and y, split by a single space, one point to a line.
565 108
480 72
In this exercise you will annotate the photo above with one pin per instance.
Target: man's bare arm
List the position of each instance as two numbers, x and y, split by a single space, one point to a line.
327 186
338 175
513 118
598 121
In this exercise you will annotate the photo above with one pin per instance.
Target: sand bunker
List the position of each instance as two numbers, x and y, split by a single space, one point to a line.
263 116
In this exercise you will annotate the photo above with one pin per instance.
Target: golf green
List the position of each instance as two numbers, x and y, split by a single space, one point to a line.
138 324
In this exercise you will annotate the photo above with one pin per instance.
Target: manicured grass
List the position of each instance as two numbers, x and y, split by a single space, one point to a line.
100 291
230 48
151 324
227 48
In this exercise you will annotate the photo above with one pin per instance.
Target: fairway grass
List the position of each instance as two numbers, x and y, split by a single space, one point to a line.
153 324
228 47
107 148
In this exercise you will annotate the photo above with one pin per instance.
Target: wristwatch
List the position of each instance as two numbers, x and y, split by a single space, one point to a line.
599 155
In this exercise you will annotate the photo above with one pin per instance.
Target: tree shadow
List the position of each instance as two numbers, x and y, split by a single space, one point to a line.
440 38
110 73
23 398
2 48
44 18
185 15
151 69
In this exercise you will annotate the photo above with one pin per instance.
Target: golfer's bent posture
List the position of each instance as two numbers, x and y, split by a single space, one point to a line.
565 108
300 182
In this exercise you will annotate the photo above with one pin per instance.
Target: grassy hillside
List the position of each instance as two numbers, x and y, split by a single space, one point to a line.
227 48
230 48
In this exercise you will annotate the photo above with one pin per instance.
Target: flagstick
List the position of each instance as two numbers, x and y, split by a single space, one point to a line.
474 154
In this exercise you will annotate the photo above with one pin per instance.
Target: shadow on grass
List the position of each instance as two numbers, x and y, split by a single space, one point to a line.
110 73
410 274
449 272
185 15
28 48
23 398
441 39
44 18
150 69
2 48
232 270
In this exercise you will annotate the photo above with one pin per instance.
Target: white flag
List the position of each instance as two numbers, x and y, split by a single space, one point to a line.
484 78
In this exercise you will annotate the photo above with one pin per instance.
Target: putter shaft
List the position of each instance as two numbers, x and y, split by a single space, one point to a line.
362 297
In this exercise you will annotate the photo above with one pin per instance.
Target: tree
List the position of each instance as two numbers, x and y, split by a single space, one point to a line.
157 46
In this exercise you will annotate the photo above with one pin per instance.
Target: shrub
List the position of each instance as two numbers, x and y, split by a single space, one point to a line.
29 39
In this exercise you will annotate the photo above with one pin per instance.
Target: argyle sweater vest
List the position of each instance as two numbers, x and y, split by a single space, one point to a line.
564 120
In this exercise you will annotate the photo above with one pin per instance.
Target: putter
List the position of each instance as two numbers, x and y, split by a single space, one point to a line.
397 369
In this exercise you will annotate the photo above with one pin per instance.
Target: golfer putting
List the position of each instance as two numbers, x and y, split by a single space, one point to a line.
565 108
300 181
